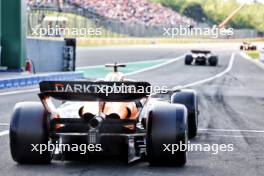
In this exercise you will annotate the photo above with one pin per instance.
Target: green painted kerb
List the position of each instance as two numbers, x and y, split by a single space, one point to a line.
100 71
13 33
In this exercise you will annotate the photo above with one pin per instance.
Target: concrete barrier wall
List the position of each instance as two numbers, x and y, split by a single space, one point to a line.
245 33
35 79
46 55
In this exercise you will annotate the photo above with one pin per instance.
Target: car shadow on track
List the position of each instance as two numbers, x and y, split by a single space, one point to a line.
99 166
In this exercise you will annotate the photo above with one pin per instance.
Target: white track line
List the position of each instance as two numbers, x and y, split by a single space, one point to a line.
4 124
155 66
3 133
230 65
254 61
232 130
236 136
18 92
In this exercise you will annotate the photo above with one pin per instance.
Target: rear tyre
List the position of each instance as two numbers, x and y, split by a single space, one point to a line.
167 124
213 61
188 59
29 127
188 98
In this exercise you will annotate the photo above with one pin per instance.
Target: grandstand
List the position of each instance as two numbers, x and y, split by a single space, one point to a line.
125 11
134 11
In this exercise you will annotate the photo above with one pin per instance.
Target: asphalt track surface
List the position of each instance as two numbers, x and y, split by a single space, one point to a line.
231 111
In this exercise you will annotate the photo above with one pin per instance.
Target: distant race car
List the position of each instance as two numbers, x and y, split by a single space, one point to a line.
201 57
132 125
248 46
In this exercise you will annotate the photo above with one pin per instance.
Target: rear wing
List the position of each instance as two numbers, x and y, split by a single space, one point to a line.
115 66
94 91
201 51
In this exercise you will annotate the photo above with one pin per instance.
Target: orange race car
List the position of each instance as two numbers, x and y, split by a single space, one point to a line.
248 46
115 116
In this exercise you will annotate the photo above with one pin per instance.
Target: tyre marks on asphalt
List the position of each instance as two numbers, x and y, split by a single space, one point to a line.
235 116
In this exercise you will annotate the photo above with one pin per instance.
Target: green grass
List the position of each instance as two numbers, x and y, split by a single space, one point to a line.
250 16
253 54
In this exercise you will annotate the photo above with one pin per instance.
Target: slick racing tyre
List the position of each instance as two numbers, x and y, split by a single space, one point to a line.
188 59
188 98
29 127
166 125
213 61
254 48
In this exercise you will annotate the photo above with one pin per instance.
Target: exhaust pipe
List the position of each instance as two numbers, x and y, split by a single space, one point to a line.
96 121
85 115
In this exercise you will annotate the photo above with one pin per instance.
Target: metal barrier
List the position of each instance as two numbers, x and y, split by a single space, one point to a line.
52 55
262 55
69 52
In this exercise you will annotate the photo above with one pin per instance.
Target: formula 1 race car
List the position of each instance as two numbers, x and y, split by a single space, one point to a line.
248 46
201 57
111 117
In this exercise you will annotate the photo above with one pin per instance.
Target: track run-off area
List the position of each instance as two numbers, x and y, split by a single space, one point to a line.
231 104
